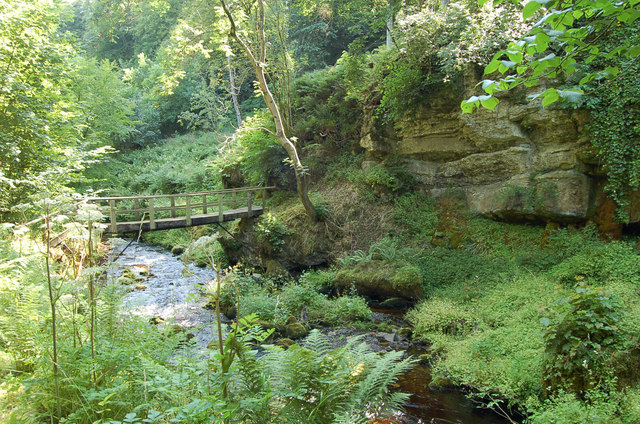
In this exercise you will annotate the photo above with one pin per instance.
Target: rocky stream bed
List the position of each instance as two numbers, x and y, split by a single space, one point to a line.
166 289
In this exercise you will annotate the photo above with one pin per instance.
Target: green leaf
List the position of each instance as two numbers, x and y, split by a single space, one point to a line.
530 8
489 86
491 67
545 321
489 103
612 71
572 96
587 79
542 42
567 19
467 105
550 96
515 55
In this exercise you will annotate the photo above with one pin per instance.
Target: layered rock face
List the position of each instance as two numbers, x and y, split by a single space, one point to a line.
518 162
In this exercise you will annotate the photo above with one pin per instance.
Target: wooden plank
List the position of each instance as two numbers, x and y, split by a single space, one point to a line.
173 207
204 204
152 215
188 211
112 215
60 238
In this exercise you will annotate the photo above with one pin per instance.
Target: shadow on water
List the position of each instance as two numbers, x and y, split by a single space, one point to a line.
439 406
431 406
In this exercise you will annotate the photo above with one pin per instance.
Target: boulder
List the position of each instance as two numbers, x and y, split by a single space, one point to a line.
295 330
380 280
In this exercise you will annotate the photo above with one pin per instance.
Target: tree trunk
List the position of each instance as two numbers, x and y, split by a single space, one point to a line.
258 63
234 93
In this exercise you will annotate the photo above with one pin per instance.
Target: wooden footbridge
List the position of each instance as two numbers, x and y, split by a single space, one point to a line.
165 211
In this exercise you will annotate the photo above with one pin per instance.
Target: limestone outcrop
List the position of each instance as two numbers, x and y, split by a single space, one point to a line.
518 162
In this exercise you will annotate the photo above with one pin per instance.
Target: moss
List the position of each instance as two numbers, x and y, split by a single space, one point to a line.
284 342
178 250
130 276
295 330
380 279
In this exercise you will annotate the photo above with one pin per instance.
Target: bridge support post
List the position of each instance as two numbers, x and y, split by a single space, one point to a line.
249 203
152 215
220 208
112 215
136 205
204 204
188 210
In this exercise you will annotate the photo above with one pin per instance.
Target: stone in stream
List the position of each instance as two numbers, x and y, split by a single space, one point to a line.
178 250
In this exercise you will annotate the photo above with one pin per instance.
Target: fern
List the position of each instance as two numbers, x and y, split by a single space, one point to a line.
318 384
372 395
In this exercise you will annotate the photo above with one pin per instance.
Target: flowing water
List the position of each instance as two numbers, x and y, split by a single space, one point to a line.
173 294
173 290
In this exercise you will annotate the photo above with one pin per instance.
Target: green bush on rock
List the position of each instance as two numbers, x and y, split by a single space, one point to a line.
380 279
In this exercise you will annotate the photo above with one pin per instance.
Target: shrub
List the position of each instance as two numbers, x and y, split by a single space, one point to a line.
262 305
271 232
580 337
206 251
378 176
320 281
441 316
294 297
441 267
567 408
256 153
346 309
599 262
381 279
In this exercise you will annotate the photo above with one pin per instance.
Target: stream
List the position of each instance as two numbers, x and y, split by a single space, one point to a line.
172 293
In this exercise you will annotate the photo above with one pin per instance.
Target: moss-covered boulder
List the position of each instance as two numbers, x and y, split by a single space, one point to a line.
178 249
133 275
284 342
379 280
295 330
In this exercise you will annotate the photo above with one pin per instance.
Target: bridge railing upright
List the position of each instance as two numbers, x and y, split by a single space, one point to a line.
150 208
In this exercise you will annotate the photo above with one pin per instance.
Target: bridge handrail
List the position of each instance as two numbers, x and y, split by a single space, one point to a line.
188 207
158 196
